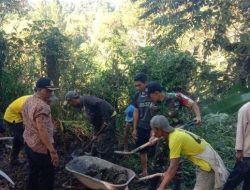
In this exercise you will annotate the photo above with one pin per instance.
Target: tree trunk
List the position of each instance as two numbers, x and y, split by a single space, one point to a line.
52 68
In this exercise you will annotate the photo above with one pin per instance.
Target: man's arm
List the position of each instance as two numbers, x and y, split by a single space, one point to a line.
135 122
169 174
44 136
188 102
196 111
242 121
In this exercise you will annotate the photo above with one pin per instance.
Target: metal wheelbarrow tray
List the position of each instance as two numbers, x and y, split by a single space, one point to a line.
95 183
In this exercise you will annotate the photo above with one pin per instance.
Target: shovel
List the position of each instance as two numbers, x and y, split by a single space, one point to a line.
137 149
76 153
187 125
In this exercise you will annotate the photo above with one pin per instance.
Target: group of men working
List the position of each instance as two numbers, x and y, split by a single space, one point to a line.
156 114
29 119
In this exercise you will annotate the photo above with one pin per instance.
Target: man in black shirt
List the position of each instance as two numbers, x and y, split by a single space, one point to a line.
102 116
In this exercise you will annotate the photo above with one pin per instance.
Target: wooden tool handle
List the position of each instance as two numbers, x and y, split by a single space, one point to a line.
151 176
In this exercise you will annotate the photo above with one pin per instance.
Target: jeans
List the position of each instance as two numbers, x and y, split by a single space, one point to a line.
240 172
41 170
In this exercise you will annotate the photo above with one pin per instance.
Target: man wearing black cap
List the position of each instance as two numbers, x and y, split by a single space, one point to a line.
38 136
170 105
101 115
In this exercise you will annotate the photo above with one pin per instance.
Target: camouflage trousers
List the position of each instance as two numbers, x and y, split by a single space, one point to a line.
160 163
106 142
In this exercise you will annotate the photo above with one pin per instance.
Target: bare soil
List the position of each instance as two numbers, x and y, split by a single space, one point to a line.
111 175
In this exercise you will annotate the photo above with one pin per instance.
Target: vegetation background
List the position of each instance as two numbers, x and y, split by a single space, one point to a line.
198 47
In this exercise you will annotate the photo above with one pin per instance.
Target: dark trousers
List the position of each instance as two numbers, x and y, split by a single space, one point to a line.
2 128
41 170
16 130
240 172
106 142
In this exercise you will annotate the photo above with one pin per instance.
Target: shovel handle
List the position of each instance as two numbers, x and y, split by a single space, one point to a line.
137 149
151 176
96 134
187 125
144 145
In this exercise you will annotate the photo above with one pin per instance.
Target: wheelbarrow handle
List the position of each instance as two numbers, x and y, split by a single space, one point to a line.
150 176
6 138
5 176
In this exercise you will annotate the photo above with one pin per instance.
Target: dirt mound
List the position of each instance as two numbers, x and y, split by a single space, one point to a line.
111 175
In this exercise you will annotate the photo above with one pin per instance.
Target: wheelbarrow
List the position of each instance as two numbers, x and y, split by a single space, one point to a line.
79 164
97 184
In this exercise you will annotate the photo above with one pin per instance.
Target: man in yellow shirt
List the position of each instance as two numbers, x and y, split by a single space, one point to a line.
13 119
211 171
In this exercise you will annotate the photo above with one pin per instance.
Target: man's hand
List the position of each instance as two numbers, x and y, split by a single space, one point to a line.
54 158
197 120
134 134
239 155
152 140
94 137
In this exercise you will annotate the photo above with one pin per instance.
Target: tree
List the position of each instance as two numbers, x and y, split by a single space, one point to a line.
220 25
11 6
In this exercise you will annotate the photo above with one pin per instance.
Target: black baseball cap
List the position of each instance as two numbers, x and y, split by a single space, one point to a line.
142 77
153 86
45 82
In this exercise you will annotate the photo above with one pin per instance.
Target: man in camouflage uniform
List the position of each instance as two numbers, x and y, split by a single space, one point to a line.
170 105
